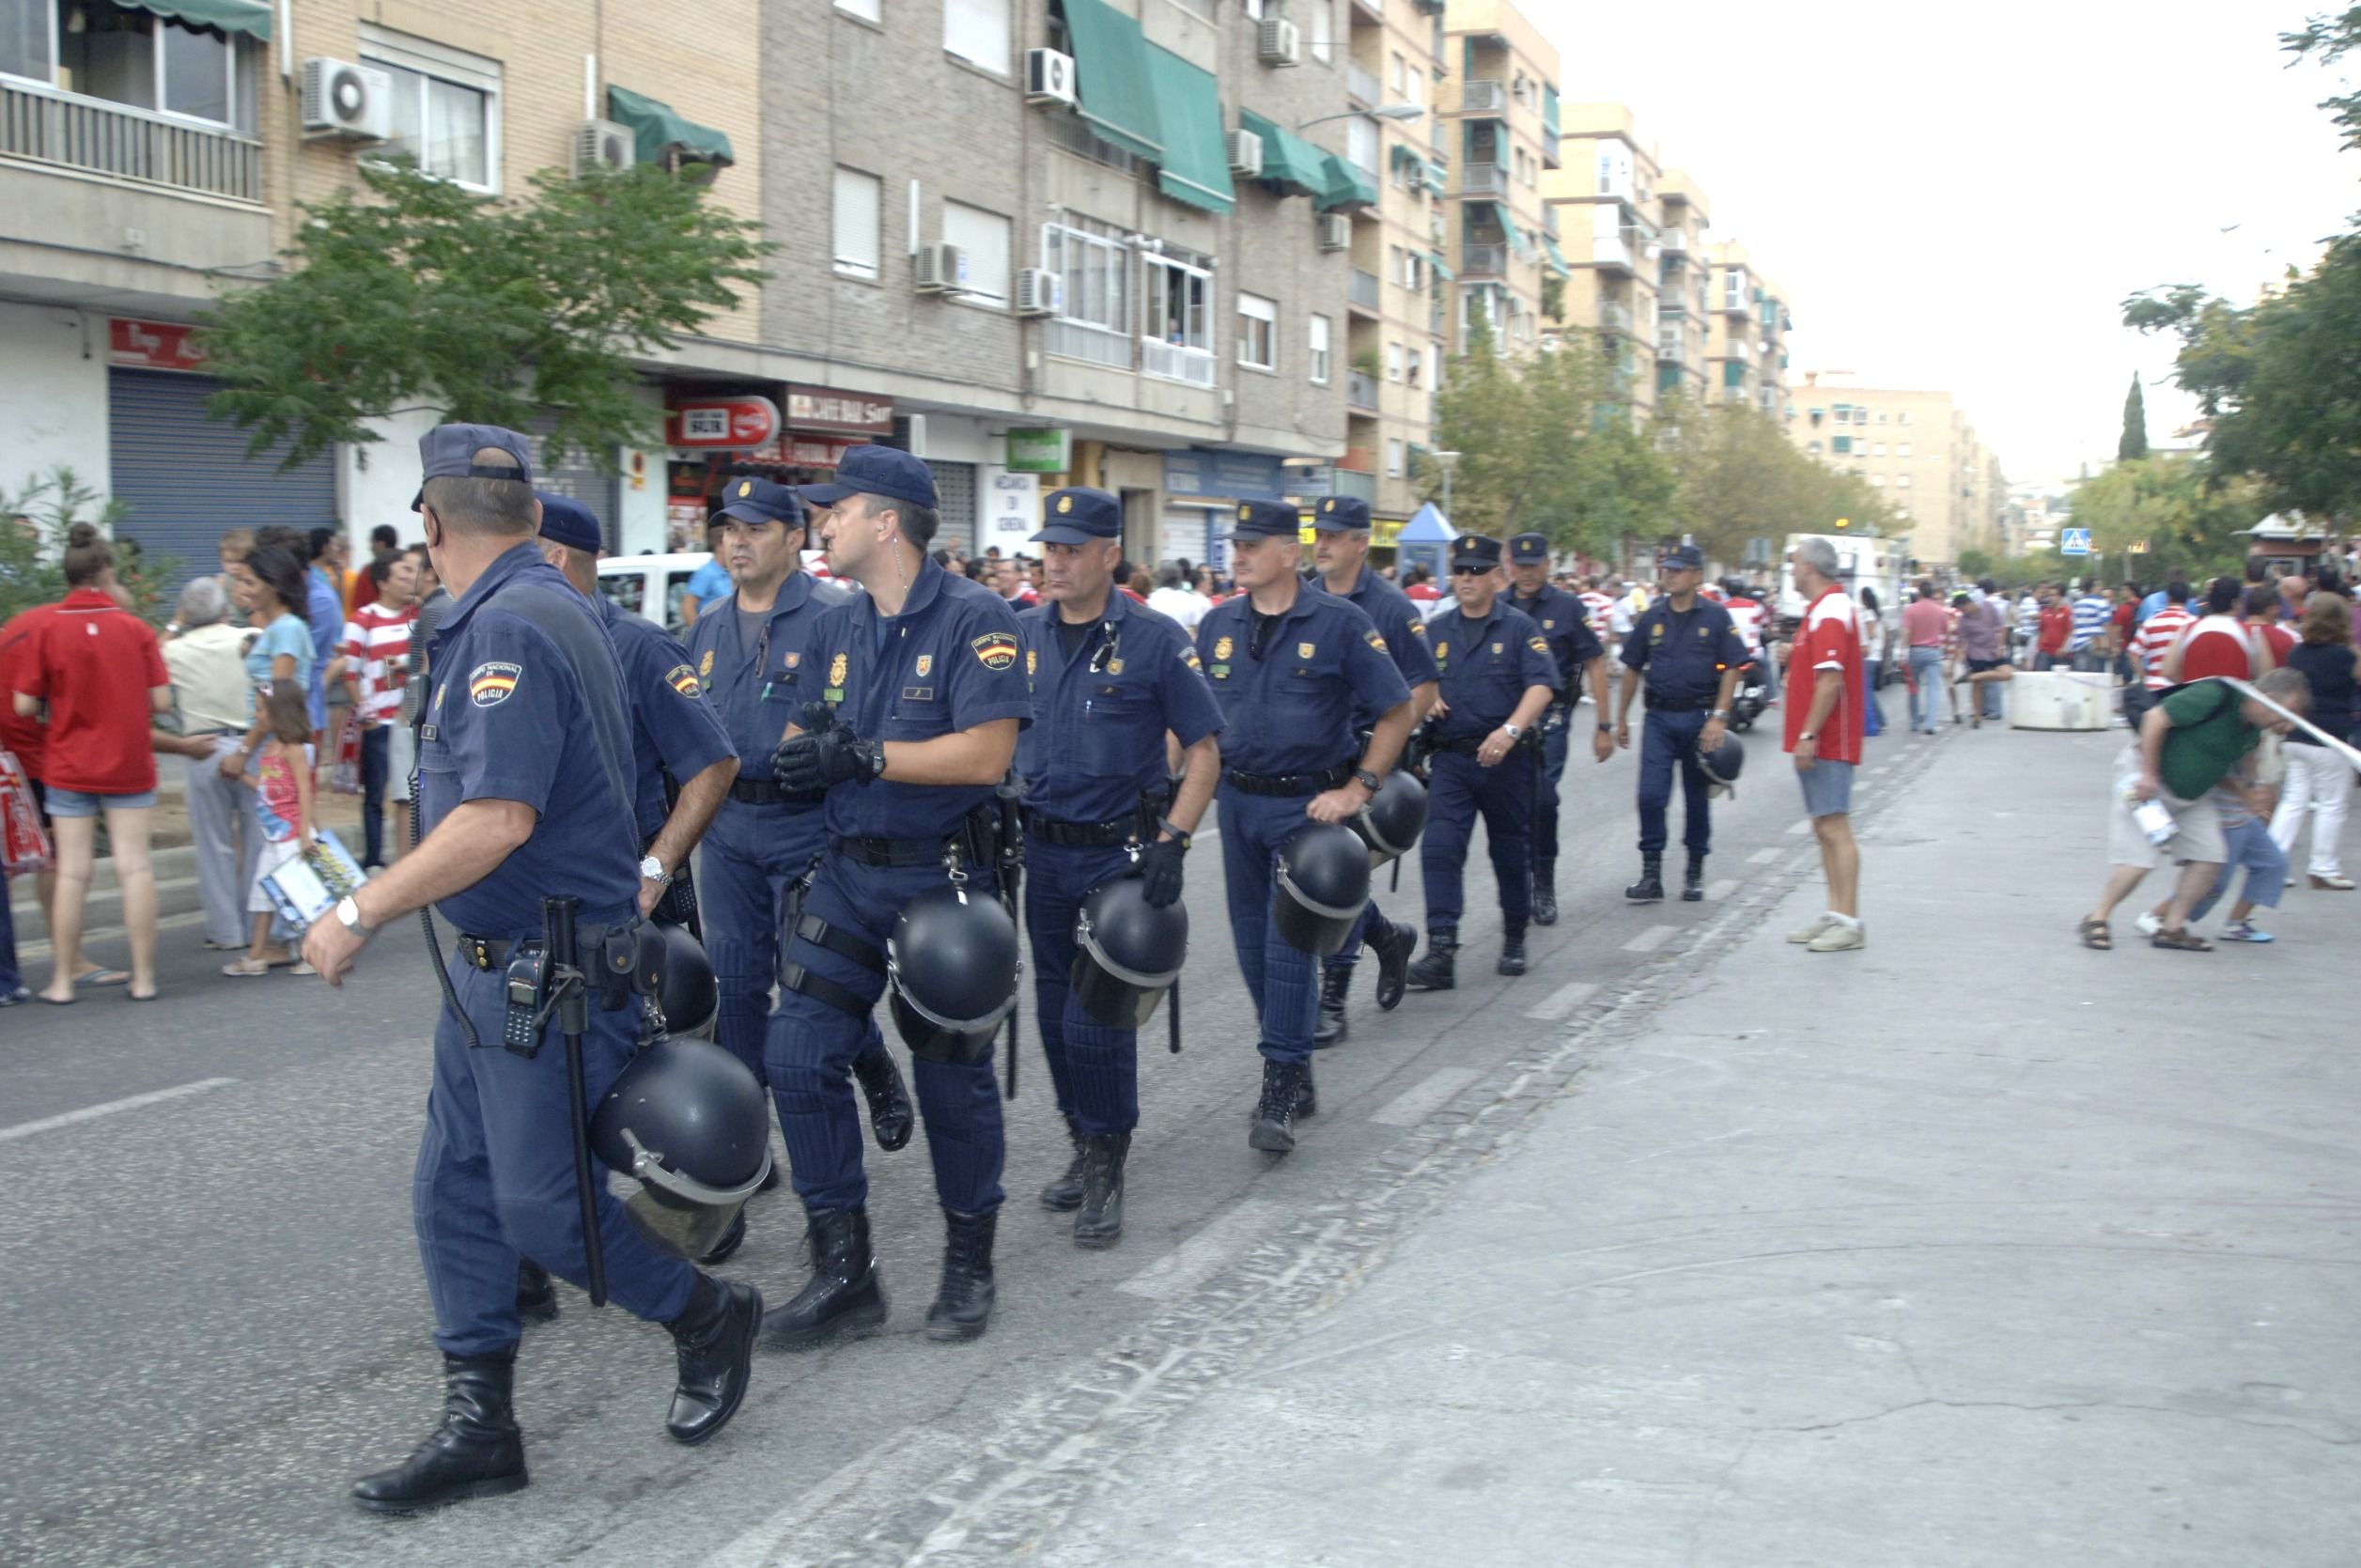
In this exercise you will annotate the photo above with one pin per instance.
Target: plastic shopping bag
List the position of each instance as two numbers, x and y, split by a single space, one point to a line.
25 848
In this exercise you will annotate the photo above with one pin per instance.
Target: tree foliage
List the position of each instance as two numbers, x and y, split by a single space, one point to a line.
1738 477
33 540
411 293
2132 444
2167 512
2328 39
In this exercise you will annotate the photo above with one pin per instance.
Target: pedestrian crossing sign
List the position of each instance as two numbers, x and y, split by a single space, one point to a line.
2074 541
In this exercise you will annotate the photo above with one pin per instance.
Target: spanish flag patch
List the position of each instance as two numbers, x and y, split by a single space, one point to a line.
489 684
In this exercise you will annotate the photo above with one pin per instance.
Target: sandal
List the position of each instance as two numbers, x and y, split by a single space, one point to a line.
2179 941
246 969
2095 933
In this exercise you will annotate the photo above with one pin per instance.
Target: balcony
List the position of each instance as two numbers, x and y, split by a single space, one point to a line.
1358 487
1613 251
1482 261
1735 305
1479 97
1549 220
129 144
1614 317
1176 362
1549 140
1361 83
1483 180
1672 348
1675 240
1358 459
1366 291
1361 392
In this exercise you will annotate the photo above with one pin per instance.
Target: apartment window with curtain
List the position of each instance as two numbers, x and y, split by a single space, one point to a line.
1361 142
1258 333
1176 322
446 106
1394 454
985 238
1094 319
1393 362
1317 342
130 56
859 204
977 32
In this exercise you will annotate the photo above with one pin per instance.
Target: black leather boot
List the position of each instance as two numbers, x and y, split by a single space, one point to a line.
1100 1221
1275 1113
477 1452
1438 971
1512 951
963 1303
1393 946
1335 982
1650 888
1064 1194
1307 1098
1544 892
844 1295
1693 880
715 1342
537 1297
890 1117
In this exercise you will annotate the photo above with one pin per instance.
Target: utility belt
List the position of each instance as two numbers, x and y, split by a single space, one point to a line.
977 841
1470 745
1141 826
1288 783
619 965
764 792
1679 704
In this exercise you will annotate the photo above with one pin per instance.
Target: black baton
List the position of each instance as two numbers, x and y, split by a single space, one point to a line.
571 1000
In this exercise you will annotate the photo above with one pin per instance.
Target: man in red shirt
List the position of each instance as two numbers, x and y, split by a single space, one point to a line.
1823 735
2218 642
2057 628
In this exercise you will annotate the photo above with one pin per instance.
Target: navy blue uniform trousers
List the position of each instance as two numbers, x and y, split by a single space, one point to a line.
496 1176
1279 976
1667 740
812 1045
1095 1069
1554 739
1458 790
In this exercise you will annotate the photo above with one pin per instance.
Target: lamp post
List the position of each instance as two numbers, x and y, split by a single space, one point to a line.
1446 461
1383 111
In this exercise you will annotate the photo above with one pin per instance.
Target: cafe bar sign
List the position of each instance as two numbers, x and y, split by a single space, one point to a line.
735 423
820 408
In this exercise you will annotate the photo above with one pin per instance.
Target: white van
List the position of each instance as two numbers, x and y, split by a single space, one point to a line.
651 585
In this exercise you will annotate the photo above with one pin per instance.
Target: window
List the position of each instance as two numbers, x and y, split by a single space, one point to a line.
1878 451
446 108
1258 333
1842 445
1812 447
977 32
1253 10
858 197
1902 450
1877 481
985 238
868 10
1393 362
127 55
1318 345
26 48
1318 29
1400 79
1393 457
1361 142
1176 329
1434 365
1415 370
1094 322
1903 418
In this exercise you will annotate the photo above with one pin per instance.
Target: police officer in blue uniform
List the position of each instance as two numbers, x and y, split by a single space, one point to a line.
524 794
1340 551
1292 666
1566 625
745 650
917 689
1111 680
1687 651
1497 679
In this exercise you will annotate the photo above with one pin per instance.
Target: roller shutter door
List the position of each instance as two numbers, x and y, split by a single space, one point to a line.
185 477
955 487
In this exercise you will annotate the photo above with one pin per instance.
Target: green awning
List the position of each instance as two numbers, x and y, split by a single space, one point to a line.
1439 174
1110 76
1557 257
1442 267
1288 160
1195 167
1549 110
1508 226
1347 186
1401 155
661 132
250 17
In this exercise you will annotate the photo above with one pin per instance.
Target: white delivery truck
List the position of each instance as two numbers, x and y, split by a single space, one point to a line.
1863 560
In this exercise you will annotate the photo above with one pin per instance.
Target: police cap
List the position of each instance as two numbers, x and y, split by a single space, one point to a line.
1475 549
873 470
448 452
1680 558
1527 550
567 522
751 499
1342 512
1079 516
1267 520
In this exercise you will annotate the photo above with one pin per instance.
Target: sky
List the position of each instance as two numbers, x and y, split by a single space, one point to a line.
1960 198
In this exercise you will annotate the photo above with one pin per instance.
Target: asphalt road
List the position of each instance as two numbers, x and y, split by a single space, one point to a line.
214 1315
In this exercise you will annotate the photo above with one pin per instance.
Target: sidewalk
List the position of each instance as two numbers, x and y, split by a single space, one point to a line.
1973 1248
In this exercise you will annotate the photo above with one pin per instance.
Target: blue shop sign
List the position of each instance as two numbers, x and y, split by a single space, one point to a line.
1227 476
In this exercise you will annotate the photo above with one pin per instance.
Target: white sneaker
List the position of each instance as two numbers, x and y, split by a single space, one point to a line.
1839 937
2147 924
1809 932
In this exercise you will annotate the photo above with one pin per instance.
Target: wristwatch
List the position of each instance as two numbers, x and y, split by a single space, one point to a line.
1367 780
1513 731
1809 735
1720 713
652 870
350 914
1606 728
1179 837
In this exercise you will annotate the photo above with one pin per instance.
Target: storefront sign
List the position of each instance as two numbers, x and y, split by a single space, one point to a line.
152 345
797 451
1040 451
723 422
1012 512
1228 475
818 407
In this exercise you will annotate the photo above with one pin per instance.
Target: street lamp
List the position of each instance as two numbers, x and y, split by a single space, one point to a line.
1446 461
1383 111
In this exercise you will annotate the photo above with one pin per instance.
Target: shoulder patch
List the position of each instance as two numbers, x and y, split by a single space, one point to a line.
1537 645
491 683
996 650
683 679
1374 639
1189 657
1418 627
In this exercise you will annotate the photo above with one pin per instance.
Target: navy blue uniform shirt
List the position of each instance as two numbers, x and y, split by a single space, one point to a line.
1487 666
1683 653
1566 625
949 661
1097 742
759 691
528 706
1292 711
673 730
1400 624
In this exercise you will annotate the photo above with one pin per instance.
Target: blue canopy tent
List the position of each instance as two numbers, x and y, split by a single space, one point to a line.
1424 541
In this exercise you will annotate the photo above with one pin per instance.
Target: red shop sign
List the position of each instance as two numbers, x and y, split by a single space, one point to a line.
800 451
151 344
817 407
726 422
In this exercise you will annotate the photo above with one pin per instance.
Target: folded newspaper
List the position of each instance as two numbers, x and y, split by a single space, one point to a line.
308 886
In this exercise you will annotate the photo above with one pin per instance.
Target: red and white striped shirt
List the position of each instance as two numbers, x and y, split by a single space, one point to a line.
2155 639
1596 605
374 638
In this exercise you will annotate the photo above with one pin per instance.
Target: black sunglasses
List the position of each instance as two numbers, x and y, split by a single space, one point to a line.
1469 571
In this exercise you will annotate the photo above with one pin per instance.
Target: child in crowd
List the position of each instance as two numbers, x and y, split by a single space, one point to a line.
283 815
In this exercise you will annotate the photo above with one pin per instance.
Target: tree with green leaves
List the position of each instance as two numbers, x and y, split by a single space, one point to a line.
2132 445
1739 477
34 523
2328 39
413 293
2169 511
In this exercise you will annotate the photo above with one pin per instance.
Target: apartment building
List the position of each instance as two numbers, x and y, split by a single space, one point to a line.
1500 113
1603 201
1748 320
1917 449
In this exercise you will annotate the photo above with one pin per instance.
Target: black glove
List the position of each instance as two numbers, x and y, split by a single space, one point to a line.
1159 866
813 762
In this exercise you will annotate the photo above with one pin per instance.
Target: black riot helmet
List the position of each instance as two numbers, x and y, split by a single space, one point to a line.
951 972
1722 765
684 987
1322 882
1390 823
693 1127
1126 951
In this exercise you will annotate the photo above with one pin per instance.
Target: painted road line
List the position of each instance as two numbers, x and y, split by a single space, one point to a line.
1799 828
1556 1005
1194 1259
1717 891
1415 1103
1652 938
1764 856
91 1113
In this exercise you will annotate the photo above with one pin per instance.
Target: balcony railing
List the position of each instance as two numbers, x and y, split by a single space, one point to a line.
1477 96
1359 487
1675 240
1549 140
1086 340
1612 251
1360 391
129 144
1175 361
1364 291
1484 261
1613 316
1483 180
1362 83
1672 348
1549 221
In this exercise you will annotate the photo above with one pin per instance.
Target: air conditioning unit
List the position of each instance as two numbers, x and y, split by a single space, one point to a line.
601 144
1281 42
1049 77
1039 292
1336 232
1246 154
340 99
943 269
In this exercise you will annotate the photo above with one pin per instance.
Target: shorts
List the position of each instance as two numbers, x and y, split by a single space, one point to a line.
2198 838
1827 788
401 756
1978 666
275 853
75 802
